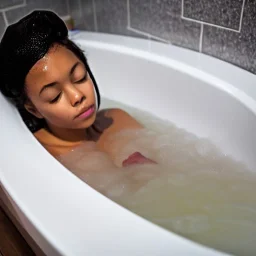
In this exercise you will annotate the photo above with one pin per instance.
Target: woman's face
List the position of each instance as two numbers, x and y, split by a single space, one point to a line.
61 91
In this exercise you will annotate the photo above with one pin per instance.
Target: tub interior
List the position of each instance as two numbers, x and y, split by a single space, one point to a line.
207 108
194 100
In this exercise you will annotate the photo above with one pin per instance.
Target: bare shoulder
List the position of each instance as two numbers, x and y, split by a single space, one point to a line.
121 119
52 144
110 112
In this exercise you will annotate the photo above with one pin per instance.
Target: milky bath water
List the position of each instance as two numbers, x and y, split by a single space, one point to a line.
195 190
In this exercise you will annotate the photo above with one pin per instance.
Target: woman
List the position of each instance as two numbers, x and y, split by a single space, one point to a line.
48 78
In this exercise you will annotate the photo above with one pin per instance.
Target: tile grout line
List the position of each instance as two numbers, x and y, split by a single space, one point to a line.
241 17
148 35
182 8
128 13
13 7
94 16
129 28
5 19
210 24
201 38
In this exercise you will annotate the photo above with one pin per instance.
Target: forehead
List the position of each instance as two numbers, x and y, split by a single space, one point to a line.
53 67
56 54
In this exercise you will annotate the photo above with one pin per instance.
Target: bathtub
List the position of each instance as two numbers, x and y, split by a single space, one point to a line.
58 213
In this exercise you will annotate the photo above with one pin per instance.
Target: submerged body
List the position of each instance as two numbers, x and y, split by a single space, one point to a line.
57 94
98 141
195 190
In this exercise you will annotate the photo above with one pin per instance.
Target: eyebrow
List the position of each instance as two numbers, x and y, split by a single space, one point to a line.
55 83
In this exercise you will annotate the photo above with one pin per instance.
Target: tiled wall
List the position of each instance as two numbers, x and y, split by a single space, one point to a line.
225 29
13 10
222 28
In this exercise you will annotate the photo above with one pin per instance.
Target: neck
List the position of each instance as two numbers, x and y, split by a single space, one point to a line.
72 135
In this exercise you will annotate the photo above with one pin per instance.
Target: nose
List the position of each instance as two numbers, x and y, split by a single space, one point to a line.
78 100
76 97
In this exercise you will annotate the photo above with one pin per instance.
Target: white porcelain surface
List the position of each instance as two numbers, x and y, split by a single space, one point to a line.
65 216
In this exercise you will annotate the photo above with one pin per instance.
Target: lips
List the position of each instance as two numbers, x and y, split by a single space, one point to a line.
85 111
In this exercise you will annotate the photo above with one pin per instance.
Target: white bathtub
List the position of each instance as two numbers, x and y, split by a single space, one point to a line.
61 213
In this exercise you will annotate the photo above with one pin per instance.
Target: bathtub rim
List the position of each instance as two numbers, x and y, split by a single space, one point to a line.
33 218
241 85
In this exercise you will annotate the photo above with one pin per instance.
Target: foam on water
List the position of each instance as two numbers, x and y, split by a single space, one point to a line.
195 190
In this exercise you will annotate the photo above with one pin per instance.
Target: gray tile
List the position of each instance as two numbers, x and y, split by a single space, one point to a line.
163 19
236 48
112 17
16 14
82 13
8 3
75 12
59 6
2 25
224 13
87 15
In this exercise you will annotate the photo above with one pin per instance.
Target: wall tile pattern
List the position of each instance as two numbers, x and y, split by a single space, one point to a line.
162 19
225 13
225 29
12 10
10 3
236 48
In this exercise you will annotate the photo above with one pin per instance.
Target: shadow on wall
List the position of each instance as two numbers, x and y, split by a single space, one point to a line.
221 28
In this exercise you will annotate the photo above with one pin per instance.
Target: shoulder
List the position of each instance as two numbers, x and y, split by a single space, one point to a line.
52 144
115 112
121 118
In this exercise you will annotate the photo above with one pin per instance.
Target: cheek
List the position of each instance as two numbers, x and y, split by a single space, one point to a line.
57 113
61 113
88 91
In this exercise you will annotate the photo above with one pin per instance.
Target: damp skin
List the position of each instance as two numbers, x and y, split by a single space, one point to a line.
45 66
75 90
22 46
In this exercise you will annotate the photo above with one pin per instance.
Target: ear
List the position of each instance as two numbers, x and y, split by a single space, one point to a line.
29 106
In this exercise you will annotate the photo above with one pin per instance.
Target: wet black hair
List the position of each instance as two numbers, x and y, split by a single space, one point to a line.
22 45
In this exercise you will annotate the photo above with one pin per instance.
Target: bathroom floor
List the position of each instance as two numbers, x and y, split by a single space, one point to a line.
11 241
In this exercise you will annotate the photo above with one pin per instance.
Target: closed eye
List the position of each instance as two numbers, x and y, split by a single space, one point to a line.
83 79
56 98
